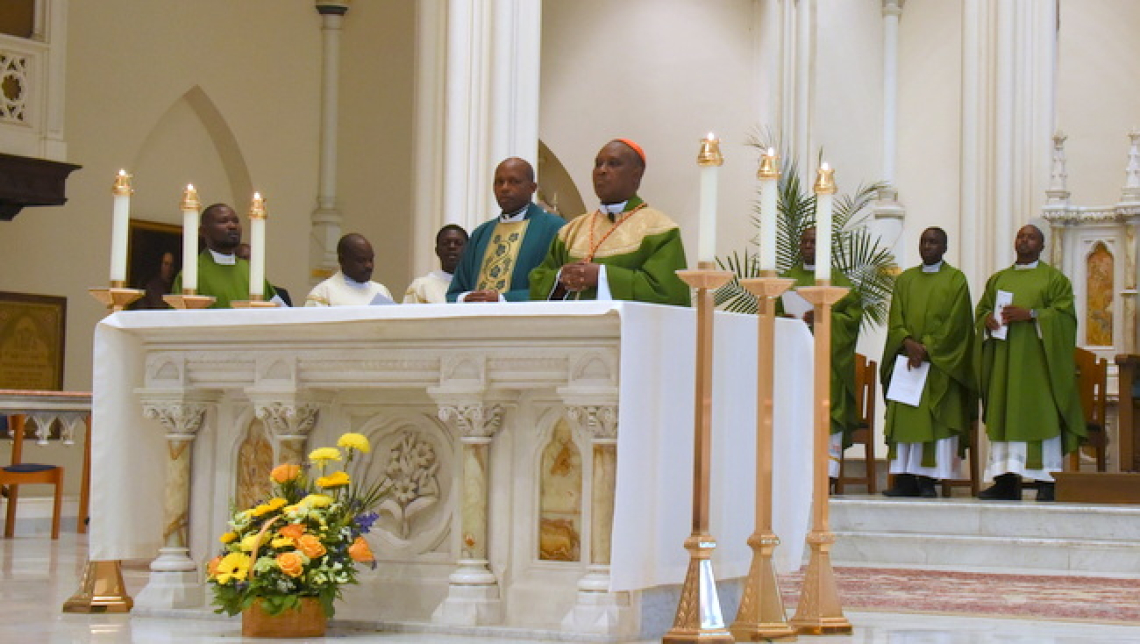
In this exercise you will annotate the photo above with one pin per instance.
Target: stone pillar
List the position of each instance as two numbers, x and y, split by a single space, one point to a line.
175 580
326 219
1129 208
889 212
477 101
473 597
290 424
598 610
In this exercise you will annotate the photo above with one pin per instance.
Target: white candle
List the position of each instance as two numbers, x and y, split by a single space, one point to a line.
769 211
257 216
824 195
709 161
120 226
190 205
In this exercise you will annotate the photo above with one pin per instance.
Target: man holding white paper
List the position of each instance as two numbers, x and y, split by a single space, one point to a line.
927 371
1027 378
846 316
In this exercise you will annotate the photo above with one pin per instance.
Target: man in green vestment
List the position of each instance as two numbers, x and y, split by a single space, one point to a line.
221 273
846 315
931 323
498 258
1027 329
624 250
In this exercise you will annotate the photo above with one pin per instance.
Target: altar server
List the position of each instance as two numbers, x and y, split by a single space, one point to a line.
931 323
221 273
432 288
502 251
352 285
1028 378
624 250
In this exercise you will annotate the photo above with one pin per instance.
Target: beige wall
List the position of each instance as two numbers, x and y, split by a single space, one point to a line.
1099 97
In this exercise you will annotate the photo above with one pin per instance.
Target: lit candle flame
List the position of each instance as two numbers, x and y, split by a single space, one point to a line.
712 137
771 152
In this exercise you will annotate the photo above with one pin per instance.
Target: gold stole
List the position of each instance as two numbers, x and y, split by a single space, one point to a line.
499 258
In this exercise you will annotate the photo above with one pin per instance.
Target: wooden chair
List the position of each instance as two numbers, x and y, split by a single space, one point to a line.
1092 386
19 473
866 375
1128 441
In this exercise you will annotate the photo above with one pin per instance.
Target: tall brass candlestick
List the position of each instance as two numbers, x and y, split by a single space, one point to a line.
698 616
761 617
819 611
102 589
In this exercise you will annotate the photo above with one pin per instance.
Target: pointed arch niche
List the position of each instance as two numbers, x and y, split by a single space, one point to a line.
190 143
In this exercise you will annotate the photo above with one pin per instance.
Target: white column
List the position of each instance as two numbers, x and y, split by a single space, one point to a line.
804 79
1003 139
972 216
326 218
889 213
477 82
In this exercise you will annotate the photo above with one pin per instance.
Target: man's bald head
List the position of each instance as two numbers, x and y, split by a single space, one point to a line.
514 184
355 256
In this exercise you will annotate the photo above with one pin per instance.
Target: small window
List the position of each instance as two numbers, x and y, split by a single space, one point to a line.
18 18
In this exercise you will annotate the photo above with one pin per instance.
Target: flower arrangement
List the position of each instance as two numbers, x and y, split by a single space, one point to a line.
304 541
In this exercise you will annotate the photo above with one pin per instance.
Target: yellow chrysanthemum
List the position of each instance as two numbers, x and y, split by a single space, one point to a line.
317 501
261 510
282 542
227 537
352 440
234 566
276 503
250 542
323 454
336 479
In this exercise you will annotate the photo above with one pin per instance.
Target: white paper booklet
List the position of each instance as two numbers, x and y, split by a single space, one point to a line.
907 384
1003 299
795 304
380 298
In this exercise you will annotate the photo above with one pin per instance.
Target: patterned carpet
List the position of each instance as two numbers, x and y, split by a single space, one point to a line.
926 591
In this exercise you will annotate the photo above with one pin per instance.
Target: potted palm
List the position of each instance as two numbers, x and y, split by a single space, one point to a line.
861 256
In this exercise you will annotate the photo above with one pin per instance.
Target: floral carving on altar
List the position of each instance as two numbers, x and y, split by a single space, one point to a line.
411 480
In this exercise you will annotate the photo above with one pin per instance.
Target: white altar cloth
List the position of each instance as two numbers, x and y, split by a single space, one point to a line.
655 423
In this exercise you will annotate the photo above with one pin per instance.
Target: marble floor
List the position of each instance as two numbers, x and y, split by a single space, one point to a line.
37 575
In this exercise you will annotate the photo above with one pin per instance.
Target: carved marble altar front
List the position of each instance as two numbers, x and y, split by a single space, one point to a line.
496 428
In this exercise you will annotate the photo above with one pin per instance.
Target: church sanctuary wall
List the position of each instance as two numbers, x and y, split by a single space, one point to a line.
220 93
375 145
1098 97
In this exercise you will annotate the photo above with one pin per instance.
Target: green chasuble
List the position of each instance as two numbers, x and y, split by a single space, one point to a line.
225 282
846 315
641 250
1028 381
934 310
511 259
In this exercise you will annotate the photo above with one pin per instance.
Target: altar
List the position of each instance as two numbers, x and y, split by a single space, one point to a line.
551 443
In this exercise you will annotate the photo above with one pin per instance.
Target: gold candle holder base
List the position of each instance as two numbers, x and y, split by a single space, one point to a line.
252 304
115 298
101 591
761 617
819 611
698 617
189 300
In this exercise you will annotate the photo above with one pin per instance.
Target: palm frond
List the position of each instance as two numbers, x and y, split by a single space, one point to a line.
863 258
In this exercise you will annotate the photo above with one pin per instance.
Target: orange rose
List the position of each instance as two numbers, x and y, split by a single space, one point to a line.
285 472
311 546
293 531
290 563
212 567
360 552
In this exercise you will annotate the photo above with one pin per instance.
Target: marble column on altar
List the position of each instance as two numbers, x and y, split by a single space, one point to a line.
290 423
477 102
175 579
473 594
1129 208
326 219
598 610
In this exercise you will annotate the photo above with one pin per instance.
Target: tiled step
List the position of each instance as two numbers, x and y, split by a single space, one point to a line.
967 534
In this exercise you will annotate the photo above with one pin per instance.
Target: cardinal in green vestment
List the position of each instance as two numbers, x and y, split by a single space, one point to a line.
625 250
931 323
221 273
1026 328
846 316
